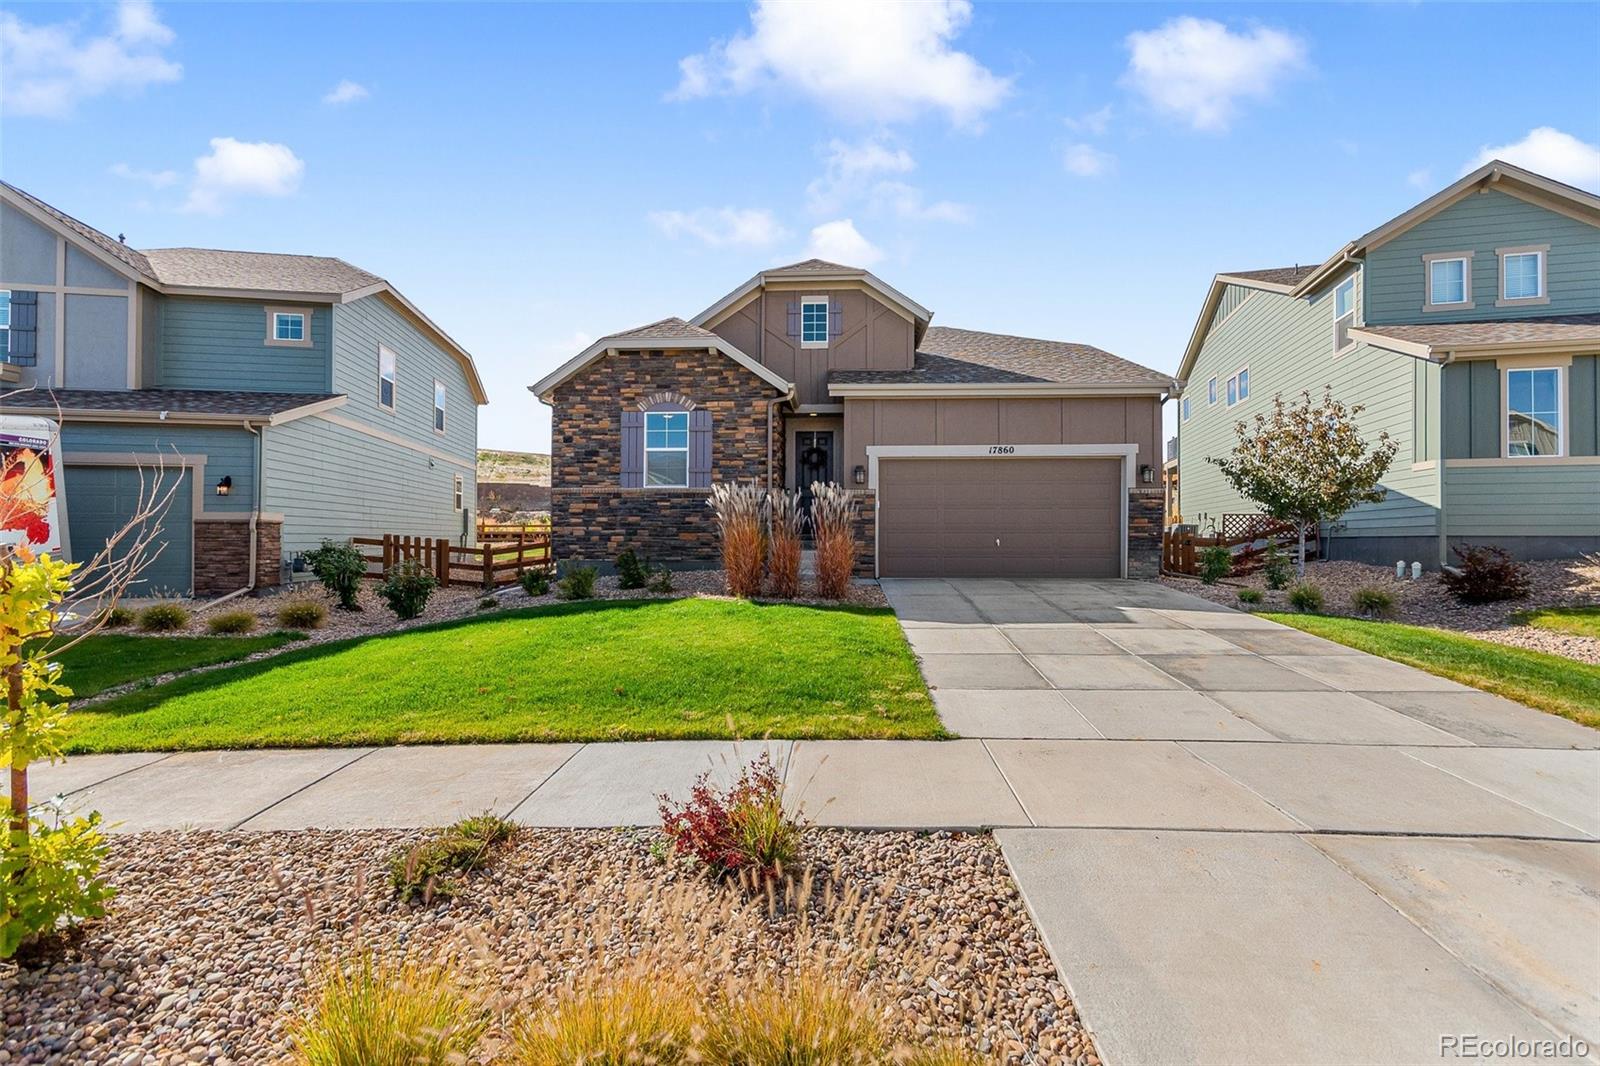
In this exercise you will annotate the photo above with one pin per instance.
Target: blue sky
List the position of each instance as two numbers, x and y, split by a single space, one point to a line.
535 176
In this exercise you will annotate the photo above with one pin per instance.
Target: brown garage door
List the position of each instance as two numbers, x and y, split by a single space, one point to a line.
1011 517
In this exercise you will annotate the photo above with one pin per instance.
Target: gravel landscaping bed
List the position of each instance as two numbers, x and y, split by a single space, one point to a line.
206 954
1425 602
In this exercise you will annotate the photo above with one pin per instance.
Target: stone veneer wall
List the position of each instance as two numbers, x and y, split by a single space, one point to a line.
222 555
866 528
592 517
1146 517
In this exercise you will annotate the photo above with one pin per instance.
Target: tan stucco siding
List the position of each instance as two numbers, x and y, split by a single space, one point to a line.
1057 420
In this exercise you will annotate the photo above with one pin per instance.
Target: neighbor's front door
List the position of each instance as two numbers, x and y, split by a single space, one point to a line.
813 461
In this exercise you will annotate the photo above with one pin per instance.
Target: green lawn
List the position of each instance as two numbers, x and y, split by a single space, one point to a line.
1581 621
587 671
1548 682
107 660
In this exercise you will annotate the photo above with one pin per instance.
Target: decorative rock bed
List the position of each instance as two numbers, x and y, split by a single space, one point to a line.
209 952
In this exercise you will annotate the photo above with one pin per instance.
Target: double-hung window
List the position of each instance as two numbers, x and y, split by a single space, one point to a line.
438 406
814 322
1239 386
1211 390
1522 275
1449 281
1533 412
385 378
1186 408
1344 314
666 448
460 492
5 325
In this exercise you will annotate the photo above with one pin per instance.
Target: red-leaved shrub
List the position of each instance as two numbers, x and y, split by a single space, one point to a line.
742 828
833 512
1485 575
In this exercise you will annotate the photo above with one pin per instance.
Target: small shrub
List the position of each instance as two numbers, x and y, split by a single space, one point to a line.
373 1012
744 827
1277 568
163 618
231 622
737 507
488 603
1216 563
632 571
833 513
783 543
1372 602
1486 574
429 870
302 614
653 1018
52 879
340 566
579 583
406 588
534 582
1305 597
804 1020
662 582
1249 595
120 616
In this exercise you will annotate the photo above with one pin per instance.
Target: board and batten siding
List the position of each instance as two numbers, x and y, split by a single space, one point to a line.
332 481
1287 344
221 344
1480 223
229 451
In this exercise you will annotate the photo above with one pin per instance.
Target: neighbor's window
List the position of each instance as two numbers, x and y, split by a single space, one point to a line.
385 378
1344 314
1522 274
814 320
1447 282
1186 408
1533 412
460 491
1211 388
666 448
5 324
1244 384
438 406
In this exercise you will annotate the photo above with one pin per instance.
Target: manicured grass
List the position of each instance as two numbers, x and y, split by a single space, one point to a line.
1580 621
1548 682
107 660
586 671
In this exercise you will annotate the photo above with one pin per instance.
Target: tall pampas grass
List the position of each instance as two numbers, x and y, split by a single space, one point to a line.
784 525
833 512
738 509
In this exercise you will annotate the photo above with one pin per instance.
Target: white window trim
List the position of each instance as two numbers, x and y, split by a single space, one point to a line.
1505 412
1185 411
1233 380
827 321
1355 319
644 468
440 418
6 326
1465 304
1543 252
272 340
460 492
394 392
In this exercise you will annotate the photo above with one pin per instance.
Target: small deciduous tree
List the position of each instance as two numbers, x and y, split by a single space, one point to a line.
1307 463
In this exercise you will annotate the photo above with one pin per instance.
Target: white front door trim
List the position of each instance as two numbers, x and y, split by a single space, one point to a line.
1128 453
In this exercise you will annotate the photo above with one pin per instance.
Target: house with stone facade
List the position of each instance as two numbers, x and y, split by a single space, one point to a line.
972 453
291 398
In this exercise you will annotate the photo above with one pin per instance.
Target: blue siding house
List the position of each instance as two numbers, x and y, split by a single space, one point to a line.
290 398
1469 328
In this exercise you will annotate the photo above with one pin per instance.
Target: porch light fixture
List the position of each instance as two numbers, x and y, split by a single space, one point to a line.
1147 474
225 486
859 475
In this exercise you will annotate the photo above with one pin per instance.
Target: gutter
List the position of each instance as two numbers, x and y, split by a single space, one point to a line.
255 518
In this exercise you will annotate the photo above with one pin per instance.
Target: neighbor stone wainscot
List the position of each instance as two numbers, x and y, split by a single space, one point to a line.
1146 518
222 554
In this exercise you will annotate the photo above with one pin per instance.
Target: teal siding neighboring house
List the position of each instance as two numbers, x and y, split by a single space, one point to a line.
1469 329
247 380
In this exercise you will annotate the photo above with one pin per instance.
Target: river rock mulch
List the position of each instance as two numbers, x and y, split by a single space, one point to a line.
1426 602
216 940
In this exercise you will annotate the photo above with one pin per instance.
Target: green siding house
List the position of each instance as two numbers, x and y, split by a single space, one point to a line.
1469 328
289 398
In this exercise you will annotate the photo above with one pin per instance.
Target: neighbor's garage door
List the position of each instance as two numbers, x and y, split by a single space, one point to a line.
1011 517
101 499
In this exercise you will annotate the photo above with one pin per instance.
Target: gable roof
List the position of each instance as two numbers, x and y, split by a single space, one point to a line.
821 270
667 335
964 357
245 275
1285 278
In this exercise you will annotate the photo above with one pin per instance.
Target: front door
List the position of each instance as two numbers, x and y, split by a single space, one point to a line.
813 461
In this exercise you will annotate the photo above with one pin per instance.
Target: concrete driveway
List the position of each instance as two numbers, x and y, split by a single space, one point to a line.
1253 845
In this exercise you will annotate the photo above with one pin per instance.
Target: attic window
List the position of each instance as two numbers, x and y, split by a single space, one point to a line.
289 327
814 322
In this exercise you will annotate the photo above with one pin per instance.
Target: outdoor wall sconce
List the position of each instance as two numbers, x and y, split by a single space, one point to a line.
1147 474
859 475
225 486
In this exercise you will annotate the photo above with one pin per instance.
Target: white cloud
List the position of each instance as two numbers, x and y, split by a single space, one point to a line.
1087 161
156 179
722 227
908 202
1550 152
874 62
1421 178
862 172
841 242
1200 71
1095 122
236 168
346 92
51 68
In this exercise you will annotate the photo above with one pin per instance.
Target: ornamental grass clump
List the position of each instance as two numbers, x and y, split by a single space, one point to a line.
372 1012
299 613
642 1017
737 506
742 829
163 618
231 622
785 524
1305 597
1372 602
800 1020
833 512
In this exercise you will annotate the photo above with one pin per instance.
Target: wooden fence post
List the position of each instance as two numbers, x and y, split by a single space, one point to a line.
441 562
388 552
488 566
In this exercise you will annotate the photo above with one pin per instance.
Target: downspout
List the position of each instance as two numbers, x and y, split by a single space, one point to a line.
255 517
772 407
1444 537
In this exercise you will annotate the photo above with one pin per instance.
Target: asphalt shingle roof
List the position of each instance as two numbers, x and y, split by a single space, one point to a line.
178 401
1578 329
950 356
814 266
1291 275
214 268
667 327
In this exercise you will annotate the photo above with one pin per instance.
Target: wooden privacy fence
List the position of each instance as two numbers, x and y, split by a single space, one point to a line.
1247 536
488 564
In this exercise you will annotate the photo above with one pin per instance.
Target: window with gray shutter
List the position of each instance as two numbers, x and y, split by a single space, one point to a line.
19 327
700 449
633 449
794 319
835 317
